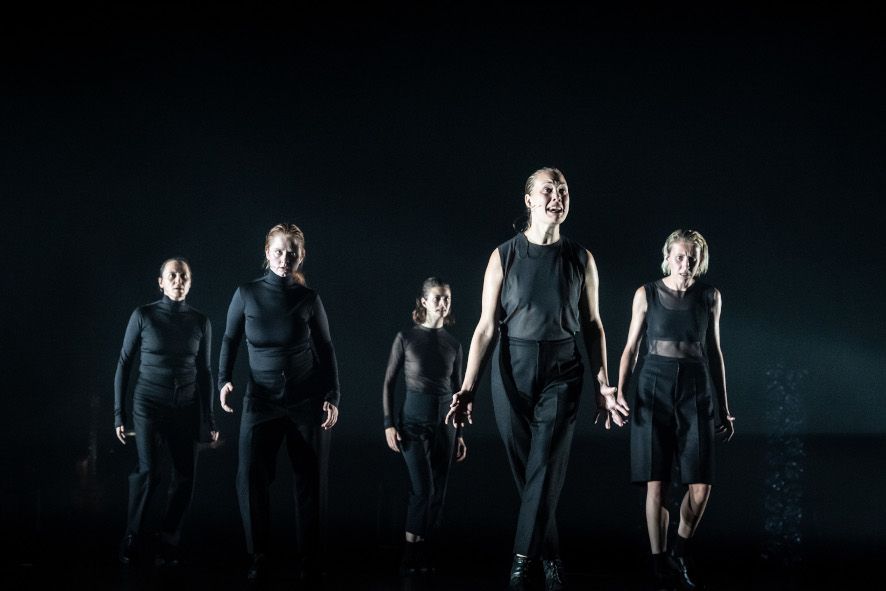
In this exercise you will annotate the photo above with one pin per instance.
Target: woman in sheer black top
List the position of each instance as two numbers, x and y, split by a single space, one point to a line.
678 380
431 360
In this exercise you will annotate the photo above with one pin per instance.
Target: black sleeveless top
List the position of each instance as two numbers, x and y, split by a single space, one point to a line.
541 288
677 321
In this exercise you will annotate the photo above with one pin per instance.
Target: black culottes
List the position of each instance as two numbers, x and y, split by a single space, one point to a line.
673 420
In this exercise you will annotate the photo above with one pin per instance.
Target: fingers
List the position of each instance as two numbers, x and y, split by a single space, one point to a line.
121 435
223 397
213 435
331 415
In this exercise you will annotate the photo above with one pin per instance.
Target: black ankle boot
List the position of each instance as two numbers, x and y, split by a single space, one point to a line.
684 572
554 580
410 563
522 573
258 570
128 549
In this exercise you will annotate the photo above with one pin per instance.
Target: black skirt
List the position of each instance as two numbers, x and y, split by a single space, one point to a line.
673 420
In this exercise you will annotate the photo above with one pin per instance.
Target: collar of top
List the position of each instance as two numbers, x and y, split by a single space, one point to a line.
275 280
173 306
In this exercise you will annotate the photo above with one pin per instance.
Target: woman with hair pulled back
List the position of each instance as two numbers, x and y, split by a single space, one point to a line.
539 293
292 395
679 377
432 363
172 406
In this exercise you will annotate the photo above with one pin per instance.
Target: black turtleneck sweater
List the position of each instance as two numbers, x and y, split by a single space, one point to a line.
173 341
281 320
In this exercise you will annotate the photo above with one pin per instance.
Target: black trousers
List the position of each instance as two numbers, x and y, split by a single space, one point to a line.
306 444
163 421
673 420
536 386
428 447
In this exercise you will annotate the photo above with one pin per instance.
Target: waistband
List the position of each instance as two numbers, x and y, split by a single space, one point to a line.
662 360
514 341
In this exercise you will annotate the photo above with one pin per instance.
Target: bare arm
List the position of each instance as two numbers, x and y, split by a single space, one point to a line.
632 347
718 369
595 344
484 335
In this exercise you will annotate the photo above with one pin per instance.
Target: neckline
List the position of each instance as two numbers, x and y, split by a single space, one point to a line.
672 290
172 305
530 243
277 281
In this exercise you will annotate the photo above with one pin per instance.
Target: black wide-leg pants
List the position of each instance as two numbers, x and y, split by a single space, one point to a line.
163 421
536 386
428 447
307 447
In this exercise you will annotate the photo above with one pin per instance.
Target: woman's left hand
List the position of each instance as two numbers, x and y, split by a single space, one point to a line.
726 428
461 450
616 410
213 436
331 415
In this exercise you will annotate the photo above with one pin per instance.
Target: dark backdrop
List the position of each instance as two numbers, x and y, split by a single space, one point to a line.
400 146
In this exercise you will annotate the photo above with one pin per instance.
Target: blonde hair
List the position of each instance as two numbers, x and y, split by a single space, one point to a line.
294 232
690 237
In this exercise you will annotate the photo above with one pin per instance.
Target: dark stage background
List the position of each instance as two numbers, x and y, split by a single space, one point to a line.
400 146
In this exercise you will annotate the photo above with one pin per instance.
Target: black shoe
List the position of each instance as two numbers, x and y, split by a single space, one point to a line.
553 569
522 573
415 559
168 556
684 572
258 570
128 549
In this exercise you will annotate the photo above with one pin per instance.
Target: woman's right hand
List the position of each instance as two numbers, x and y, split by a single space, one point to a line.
121 434
393 438
223 396
461 408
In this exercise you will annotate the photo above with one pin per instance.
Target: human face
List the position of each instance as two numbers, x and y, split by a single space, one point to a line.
683 261
282 254
175 281
436 302
548 202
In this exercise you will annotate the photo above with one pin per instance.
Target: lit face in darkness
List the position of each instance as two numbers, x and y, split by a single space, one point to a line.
683 261
548 202
282 255
175 281
437 302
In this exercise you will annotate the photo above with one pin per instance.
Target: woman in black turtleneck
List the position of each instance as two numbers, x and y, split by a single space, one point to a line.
292 393
432 360
172 403
539 293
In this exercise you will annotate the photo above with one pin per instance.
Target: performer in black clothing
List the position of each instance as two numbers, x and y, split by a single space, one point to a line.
172 403
432 363
675 386
539 291
292 394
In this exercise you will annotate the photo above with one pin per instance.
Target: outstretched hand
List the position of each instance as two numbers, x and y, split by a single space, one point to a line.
460 409
615 409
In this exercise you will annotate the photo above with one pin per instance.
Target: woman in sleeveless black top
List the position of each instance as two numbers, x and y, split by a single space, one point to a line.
678 378
539 291
172 404
292 395
431 360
